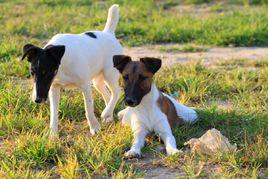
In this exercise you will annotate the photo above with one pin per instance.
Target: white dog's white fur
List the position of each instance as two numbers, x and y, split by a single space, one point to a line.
87 59
148 117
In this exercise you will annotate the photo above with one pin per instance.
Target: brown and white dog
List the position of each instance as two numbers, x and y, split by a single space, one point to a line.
149 110
77 60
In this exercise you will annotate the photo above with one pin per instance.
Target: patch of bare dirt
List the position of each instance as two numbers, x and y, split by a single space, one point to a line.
154 166
151 165
191 9
204 9
222 104
208 57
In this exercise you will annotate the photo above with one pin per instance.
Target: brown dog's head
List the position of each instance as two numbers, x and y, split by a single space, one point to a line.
137 76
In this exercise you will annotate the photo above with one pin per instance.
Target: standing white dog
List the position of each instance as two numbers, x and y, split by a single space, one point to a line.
69 60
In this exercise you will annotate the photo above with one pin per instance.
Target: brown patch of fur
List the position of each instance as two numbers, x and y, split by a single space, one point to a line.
136 69
168 108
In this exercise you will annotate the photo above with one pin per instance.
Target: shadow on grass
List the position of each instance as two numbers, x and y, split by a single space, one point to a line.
235 126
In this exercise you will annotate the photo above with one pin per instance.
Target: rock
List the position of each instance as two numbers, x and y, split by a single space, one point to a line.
211 142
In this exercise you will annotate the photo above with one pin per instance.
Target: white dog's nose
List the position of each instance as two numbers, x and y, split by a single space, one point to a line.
38 100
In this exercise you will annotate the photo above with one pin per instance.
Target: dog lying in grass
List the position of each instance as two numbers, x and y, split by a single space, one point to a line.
69 60
149 110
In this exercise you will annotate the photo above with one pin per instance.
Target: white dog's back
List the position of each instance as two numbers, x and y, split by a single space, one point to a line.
90 53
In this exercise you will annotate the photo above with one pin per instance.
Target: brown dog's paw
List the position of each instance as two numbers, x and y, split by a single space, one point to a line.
132 154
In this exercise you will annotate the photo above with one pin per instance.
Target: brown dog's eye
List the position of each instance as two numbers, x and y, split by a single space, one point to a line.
141 77
125 77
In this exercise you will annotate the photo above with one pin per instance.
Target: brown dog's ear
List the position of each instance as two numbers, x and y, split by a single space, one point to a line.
29 51
151 64
56 51
120 61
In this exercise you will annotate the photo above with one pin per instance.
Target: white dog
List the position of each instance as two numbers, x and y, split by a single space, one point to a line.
69 60
149 110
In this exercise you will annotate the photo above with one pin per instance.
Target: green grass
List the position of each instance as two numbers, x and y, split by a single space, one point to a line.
245 2
26 151
141 22
190 48
243 63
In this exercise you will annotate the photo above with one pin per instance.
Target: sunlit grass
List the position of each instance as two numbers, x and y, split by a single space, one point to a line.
189 48
141 22
26 150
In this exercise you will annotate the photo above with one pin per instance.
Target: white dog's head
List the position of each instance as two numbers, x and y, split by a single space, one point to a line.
44 66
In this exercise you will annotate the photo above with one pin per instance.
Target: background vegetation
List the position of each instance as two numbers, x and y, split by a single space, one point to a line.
232 97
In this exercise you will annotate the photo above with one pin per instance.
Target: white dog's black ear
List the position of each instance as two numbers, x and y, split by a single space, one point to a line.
56 51
120 61
29 51
151 64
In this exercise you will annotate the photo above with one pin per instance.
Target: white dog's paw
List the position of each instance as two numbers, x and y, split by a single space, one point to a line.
132 154
173 151
108 119
94 127
107 116
53 135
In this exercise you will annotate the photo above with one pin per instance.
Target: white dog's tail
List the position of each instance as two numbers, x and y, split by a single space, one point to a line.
112 19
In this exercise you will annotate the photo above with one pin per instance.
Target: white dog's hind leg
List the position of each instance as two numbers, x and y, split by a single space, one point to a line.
111 79
91 119
99 84
54 99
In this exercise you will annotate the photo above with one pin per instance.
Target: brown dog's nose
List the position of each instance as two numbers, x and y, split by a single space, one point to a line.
130 101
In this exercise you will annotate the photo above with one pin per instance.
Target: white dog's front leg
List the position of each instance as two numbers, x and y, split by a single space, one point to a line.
91 119
54 99
138 143
111 78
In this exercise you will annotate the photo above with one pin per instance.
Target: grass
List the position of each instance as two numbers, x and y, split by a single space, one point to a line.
243 63
26 151
190 48
141 22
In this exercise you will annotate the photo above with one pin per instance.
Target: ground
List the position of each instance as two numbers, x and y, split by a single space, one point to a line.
172 54
214 58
